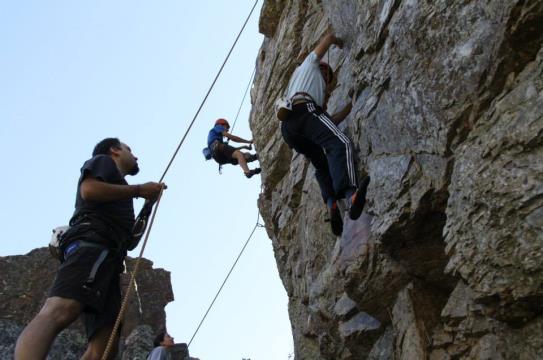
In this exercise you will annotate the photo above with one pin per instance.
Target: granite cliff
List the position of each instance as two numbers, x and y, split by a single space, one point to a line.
445 262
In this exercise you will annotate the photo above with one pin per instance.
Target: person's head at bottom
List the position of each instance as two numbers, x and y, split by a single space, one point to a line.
163 339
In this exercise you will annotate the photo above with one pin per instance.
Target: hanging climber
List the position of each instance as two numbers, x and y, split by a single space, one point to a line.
309 130
94 247
223 153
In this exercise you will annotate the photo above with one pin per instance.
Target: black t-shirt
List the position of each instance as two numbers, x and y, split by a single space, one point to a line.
119 214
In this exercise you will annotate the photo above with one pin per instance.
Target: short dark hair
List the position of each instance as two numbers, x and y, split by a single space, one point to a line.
104 146
159 338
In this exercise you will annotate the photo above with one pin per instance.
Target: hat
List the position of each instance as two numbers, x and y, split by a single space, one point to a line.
222 122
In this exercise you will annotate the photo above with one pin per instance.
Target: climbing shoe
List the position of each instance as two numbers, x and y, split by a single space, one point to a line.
358 200
335 220
252 172
252 158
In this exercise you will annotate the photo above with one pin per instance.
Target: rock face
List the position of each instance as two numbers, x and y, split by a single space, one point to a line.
26 280
445 262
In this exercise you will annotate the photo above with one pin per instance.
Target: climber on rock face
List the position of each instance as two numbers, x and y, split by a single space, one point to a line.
223 153
309 130
94 247
162 343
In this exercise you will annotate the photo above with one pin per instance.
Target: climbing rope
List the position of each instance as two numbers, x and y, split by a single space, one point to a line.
239 110
122 310
258 224
129 287
242 101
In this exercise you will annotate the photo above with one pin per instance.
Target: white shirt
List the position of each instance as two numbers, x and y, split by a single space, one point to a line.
307 78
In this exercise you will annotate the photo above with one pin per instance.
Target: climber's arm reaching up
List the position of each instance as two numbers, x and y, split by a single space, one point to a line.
325 43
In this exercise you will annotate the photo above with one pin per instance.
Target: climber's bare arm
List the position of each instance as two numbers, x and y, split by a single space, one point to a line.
325 43
236 138
338 117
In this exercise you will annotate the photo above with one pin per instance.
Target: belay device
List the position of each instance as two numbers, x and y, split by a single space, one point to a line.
140 225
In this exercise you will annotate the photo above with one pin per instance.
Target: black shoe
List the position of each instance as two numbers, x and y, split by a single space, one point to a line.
358 200
252 158
252 172
335 220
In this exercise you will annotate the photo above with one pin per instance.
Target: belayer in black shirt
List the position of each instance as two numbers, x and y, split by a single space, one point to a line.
87 281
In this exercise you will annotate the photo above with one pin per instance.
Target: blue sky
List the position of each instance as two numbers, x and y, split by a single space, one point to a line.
73 73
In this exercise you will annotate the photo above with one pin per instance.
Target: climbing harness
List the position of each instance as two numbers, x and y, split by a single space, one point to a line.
283 105
59 233
122 310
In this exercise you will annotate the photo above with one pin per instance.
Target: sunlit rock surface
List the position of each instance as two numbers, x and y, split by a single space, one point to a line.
446 261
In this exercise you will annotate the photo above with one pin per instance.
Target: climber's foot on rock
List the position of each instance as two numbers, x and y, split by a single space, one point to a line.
252 172
252 157
335 219
358 200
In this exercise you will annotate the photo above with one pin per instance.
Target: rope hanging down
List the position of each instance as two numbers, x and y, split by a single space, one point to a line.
129 287
226 278
122 310
239 109
242 100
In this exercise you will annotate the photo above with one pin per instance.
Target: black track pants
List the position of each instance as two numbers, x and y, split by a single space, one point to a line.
311 132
